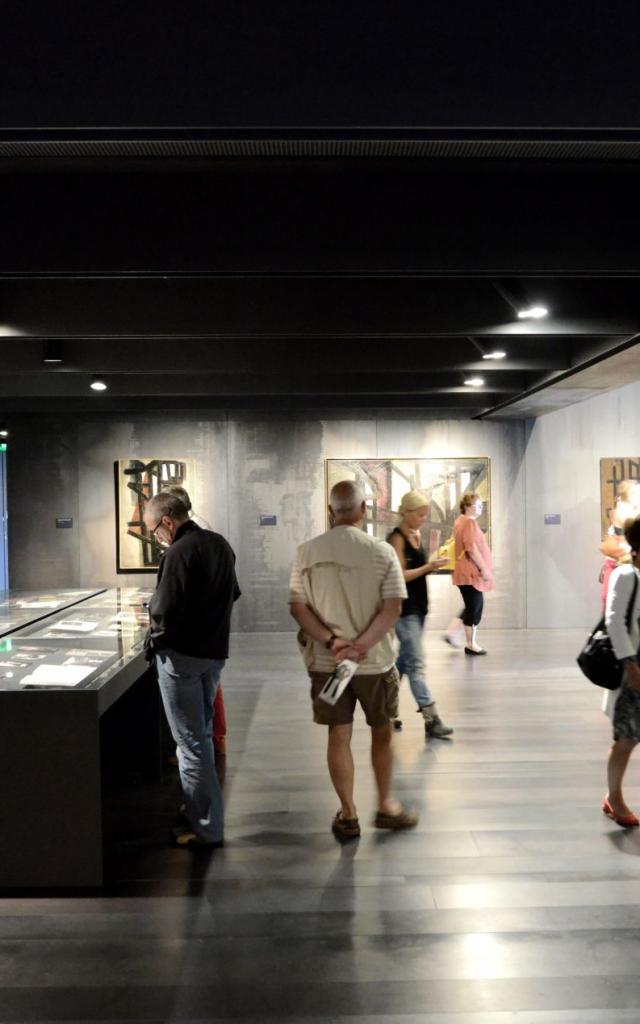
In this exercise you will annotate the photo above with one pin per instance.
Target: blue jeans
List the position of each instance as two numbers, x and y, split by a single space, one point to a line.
188 688
410 658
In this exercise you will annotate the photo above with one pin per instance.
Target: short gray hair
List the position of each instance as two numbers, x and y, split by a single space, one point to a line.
179 493
167 504
346 497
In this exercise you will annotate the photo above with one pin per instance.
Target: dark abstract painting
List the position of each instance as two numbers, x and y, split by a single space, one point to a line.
138 480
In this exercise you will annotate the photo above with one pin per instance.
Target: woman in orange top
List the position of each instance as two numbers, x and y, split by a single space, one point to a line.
614 547
473 573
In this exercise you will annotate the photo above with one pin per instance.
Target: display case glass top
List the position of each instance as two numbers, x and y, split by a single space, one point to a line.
21 608
79 647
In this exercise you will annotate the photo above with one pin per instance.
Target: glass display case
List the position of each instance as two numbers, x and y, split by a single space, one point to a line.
69 682
20 608
76 645
30 665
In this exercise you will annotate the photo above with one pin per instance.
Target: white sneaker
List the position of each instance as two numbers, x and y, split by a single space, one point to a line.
453 639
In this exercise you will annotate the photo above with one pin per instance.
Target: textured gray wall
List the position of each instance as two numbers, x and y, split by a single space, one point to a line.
247 465
276 469
563 475
42 483
102 441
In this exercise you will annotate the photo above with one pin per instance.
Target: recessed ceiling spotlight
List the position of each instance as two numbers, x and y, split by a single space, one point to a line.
4 432
533 313
98 385
494 355
474 382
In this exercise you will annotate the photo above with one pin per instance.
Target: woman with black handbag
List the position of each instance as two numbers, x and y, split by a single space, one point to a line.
623 705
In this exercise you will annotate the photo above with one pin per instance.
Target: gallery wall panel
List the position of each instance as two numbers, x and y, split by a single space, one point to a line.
279 469
103 441
42 485
503 444
259 479
563 479
277 475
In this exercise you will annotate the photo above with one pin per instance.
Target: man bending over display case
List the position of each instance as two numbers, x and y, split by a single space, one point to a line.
190 615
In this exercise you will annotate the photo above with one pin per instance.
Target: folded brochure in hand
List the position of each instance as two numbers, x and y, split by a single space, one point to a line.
338 681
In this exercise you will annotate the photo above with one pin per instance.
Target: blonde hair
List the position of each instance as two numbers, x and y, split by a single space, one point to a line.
625 488
411 501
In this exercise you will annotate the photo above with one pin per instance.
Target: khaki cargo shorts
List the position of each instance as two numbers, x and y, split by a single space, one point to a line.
377 695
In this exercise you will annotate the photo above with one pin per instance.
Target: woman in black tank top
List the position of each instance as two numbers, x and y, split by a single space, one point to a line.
417 603
407 542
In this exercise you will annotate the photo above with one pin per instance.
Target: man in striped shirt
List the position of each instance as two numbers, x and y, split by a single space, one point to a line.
345 593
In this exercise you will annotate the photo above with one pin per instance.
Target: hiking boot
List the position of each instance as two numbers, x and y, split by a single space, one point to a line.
433 724
437 729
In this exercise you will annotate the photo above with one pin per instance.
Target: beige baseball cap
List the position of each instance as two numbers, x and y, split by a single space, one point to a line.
413 500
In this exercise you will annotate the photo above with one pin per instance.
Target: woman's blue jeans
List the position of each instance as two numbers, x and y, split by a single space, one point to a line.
188 688
410 660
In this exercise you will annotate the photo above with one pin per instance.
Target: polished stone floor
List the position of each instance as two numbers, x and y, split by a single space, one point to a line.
514 899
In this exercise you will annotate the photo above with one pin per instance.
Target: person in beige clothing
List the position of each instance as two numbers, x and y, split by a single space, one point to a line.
346 592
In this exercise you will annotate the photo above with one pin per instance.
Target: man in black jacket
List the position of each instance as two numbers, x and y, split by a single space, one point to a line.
190 615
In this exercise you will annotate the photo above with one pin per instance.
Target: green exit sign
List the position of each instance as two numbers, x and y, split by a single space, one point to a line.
3 447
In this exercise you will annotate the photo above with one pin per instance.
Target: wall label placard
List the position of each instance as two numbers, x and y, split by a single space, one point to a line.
552 519
64 523
268 520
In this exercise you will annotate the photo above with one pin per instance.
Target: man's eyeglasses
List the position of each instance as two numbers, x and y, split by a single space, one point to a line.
157 527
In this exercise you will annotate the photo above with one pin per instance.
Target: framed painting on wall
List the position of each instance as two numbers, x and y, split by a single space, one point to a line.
138 480
612 474
443 482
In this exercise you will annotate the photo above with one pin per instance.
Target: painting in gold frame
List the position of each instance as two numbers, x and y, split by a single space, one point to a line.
443 482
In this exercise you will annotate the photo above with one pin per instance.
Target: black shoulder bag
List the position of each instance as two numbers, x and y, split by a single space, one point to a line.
597 660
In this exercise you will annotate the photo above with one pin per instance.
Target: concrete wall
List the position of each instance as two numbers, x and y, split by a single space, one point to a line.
563 455
246 465
42 483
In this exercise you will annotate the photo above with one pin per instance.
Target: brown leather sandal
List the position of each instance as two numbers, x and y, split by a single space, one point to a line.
345 828
403 819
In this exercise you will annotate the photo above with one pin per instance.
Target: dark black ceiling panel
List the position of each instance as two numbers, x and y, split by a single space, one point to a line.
299 63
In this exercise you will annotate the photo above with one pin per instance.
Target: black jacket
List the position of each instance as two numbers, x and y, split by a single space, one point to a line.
190 610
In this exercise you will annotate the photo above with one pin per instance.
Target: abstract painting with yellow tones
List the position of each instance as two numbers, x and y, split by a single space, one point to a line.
443 482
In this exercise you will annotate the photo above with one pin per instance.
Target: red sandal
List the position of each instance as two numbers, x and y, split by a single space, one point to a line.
624 820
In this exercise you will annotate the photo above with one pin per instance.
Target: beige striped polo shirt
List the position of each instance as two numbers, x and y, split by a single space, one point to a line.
344 575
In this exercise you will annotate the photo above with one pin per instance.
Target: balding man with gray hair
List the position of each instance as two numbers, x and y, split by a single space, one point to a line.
345 593
190 616
346 498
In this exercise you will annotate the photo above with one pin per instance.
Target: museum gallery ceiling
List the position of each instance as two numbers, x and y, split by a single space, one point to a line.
347 245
